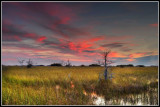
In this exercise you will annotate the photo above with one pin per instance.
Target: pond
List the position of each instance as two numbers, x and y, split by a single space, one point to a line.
146 98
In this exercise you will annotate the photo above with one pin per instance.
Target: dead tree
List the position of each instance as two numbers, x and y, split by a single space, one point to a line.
99 62
62 63
21 62
68 64
106 63
29 63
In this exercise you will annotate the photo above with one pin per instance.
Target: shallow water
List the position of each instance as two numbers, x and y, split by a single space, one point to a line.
146 98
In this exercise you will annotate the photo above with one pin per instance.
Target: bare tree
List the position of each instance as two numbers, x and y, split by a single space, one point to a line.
99 62
107 62
68 64
29 63
21 61
63 63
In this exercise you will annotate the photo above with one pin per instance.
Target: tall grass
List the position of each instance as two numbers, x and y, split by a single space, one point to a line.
66 85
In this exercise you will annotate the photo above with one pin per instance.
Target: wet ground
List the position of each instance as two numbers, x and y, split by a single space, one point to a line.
149 97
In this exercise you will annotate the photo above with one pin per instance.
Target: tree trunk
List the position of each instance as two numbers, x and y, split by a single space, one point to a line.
105 72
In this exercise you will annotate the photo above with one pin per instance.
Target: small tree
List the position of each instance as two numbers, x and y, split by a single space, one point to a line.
21 61
56 64
107 62
62 63
68 64
82 65
94 65
99 62
29 63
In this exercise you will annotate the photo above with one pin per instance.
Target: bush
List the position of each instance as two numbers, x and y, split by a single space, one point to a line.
129 65
82 65
94 65
56 64
140 66
29 65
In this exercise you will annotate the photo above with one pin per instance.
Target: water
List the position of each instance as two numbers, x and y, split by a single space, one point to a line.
146 98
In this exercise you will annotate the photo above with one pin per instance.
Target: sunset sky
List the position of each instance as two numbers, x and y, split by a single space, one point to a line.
51 32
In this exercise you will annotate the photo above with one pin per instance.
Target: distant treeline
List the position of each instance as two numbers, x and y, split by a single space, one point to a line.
96 65
91 65
130 65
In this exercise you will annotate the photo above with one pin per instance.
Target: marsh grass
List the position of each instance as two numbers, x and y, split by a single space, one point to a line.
66 85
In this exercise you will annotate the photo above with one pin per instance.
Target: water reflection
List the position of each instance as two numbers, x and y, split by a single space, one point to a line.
145 98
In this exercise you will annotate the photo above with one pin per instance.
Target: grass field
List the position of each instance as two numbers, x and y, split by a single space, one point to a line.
71 85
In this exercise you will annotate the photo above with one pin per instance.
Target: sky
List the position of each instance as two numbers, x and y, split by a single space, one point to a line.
54 32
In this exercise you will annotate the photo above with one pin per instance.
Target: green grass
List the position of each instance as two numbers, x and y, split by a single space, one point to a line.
52 85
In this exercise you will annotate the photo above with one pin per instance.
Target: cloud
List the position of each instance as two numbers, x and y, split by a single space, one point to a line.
131 59
81 45
17 38
125 47
12 32
41 39
148 60
30 35
56 29
112 38
131 6
154 25
114 45
116 55
55 17
81 60
137 55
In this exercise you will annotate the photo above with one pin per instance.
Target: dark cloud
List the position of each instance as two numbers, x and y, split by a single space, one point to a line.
114 45
125 49
121 46
88 51
147 60
61 28
10 31
49 16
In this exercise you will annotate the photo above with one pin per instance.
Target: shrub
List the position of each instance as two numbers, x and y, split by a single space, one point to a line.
56 64
94 65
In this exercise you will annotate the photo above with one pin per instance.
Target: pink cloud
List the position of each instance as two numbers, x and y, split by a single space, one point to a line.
81 45
8 59
130 59
65 20
81 60
116 55
6 22
154 25
30 35
133 56
97 39
72 46
63 12
17 38
41 39
137 55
